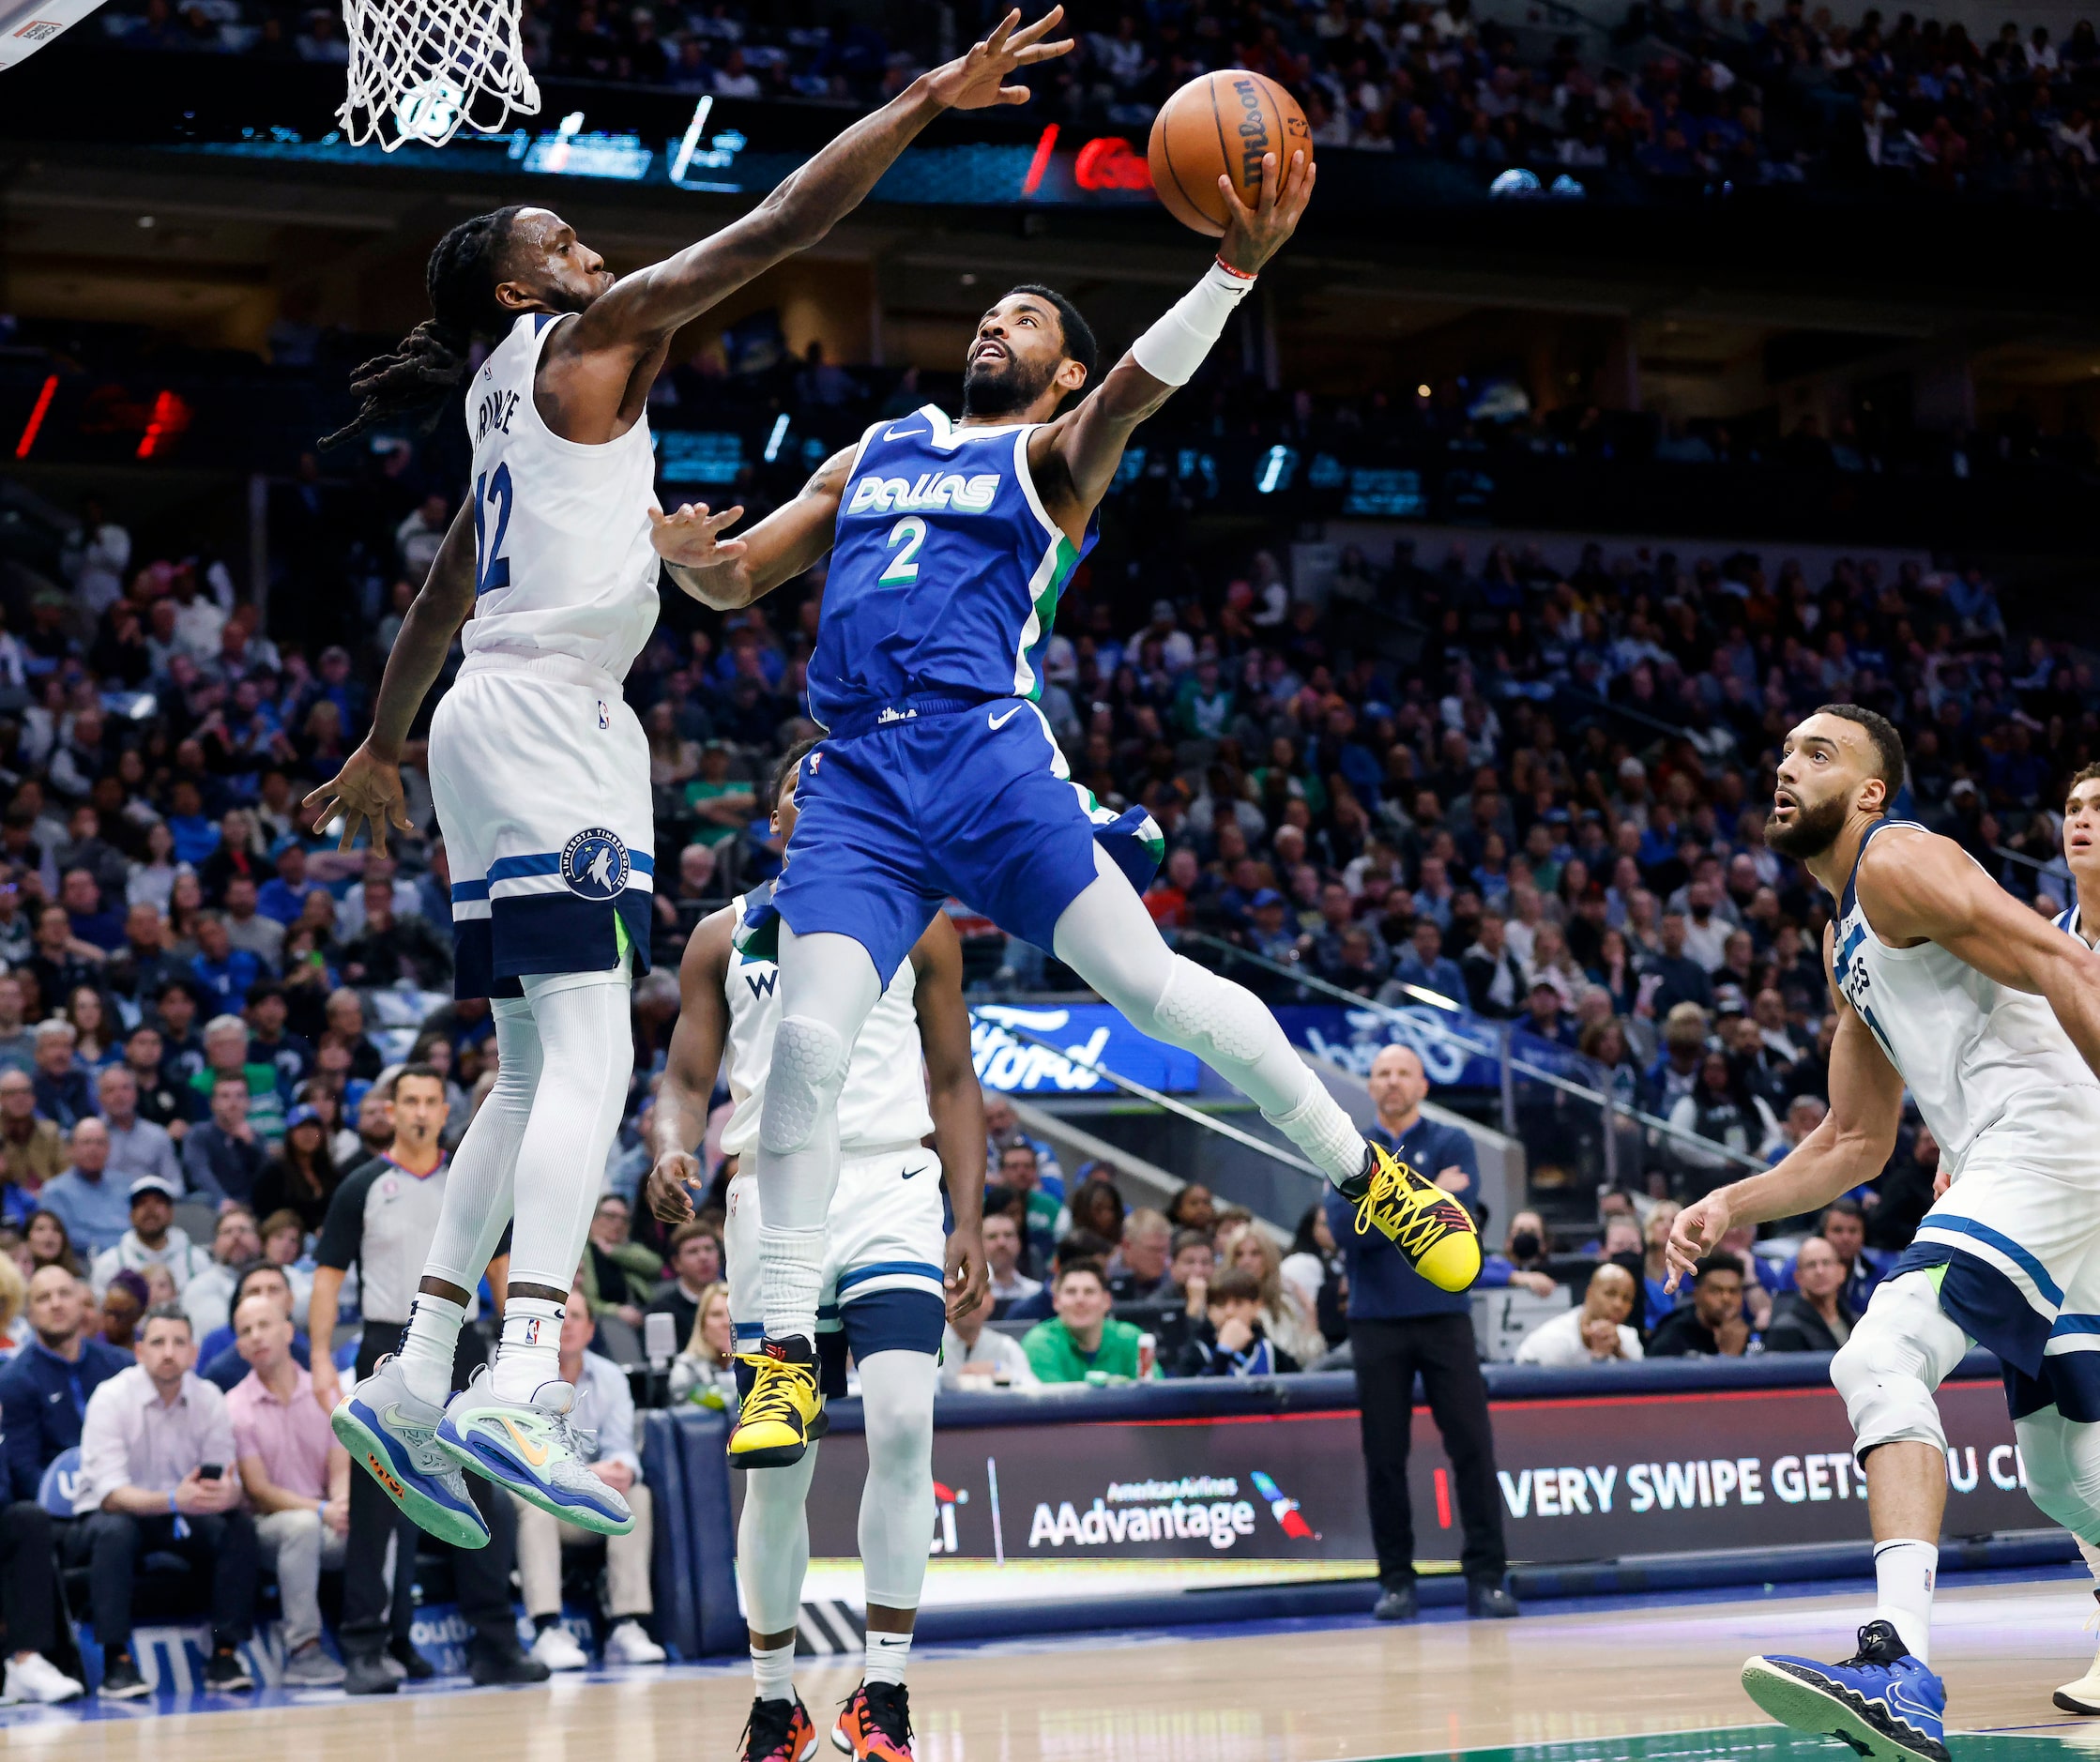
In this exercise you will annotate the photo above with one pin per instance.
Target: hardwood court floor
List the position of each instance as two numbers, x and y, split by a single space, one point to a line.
1649 1683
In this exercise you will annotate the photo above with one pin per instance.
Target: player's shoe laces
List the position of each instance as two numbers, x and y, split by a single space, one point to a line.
392 1436
1881 1701
530 1448
875 1725
781 1414
1426 1223
779 1731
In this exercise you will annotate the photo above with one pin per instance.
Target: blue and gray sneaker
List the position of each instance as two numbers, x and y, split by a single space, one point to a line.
1881 1702
391 1435
530 1448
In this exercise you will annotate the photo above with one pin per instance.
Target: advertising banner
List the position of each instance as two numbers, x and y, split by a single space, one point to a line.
1080 1035
1589 1478
1458 1050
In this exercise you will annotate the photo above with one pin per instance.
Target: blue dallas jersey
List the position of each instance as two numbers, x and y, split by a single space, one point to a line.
945 573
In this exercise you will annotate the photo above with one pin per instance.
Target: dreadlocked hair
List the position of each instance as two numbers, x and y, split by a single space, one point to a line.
414 384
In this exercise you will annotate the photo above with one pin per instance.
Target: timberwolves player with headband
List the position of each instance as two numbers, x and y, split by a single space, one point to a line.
541 772
951 542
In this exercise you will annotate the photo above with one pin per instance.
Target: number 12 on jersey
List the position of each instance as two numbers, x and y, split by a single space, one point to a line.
491 567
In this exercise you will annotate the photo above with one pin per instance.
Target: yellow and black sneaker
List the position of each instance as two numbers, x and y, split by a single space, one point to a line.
1426 1223
783 1410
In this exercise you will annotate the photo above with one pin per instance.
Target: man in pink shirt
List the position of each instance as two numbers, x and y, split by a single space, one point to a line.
296 1476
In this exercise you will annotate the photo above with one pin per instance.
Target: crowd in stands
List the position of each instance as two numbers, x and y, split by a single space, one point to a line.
1707 92
1536 790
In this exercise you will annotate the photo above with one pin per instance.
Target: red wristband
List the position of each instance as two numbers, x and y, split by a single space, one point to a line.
1245 275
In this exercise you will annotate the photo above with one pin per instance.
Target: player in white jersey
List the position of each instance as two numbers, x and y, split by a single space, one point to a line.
540 771
1944 983
890 1281
2081 856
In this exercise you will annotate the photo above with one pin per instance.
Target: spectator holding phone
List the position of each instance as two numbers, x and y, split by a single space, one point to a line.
155 1476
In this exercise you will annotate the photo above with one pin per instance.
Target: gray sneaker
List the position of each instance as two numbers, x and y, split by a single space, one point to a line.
390 1435
309 1667
530 1448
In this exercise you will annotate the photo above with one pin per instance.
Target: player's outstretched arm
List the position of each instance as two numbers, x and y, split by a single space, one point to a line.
957 1106
367 791
1081 450
1853 1144
695 1057
1926 887
729 572
637 312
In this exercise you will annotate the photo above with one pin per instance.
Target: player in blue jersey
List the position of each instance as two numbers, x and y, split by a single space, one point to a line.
950 542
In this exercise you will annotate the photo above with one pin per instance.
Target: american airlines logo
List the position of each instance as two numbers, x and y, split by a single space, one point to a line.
931 492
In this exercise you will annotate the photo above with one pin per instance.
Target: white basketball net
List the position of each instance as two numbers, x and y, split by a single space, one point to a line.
421 69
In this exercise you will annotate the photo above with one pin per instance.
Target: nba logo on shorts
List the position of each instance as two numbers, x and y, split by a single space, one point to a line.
594 864
604 715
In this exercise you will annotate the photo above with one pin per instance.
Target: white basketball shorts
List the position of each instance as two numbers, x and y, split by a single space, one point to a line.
541 774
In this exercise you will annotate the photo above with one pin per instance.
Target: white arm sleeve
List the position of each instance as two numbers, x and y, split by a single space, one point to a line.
1174 348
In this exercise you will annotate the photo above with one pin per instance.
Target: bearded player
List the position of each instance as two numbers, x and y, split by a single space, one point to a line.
950 543
885 1279
540 771
1943 983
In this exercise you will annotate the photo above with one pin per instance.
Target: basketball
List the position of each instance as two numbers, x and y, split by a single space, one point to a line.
1221 122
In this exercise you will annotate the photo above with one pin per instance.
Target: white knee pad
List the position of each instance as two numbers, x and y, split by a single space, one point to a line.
807 1072
1899 1354
1212 1017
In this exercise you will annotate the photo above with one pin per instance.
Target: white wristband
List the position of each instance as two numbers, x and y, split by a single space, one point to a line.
1174 348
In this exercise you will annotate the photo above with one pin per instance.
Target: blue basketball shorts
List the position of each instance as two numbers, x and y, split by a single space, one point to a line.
540 776
974 802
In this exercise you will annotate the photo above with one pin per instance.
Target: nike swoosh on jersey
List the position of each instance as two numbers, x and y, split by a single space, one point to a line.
1001 721
899 434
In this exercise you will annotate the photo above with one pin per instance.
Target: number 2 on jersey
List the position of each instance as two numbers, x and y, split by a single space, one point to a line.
491 567
910 532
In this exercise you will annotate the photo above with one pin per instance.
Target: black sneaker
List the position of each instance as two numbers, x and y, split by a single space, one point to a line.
1398 1602
415 1666
1488 1602
492 1666
121 1680
366 1673
779 1731
874 1724
224 1674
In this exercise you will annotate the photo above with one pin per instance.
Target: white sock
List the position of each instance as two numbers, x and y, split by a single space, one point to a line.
888 1655
529 1353
1904 1572
791 1269
773 1672
427 1351
1328 1136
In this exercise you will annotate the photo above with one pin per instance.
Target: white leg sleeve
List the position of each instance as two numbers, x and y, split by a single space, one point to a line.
587 1054
479 1193
773 1544
1901 1351
897 1502
828 985
1107 937
2063 1459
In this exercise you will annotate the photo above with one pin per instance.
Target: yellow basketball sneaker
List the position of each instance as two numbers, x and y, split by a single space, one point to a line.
1426 1223
784 1410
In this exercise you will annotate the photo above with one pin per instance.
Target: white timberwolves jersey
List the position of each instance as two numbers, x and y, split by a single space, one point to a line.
884 1101
562 560
1974 1053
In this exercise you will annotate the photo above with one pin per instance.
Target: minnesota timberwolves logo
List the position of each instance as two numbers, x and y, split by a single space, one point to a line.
594 864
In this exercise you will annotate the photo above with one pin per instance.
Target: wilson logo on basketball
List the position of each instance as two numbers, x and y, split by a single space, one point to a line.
1253 130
